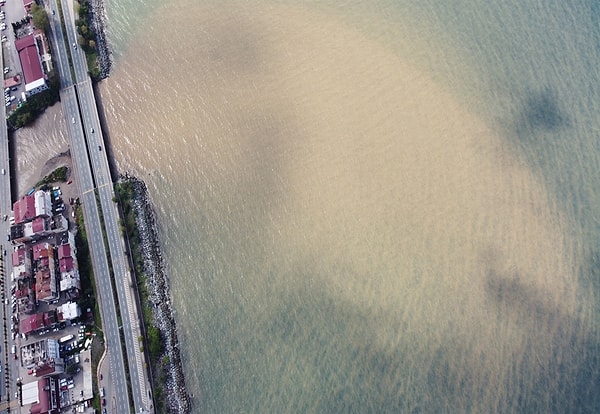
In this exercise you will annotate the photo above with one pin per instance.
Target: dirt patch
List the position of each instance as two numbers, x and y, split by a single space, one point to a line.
68 188
60 160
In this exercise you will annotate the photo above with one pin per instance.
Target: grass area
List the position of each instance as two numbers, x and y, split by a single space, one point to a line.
87 37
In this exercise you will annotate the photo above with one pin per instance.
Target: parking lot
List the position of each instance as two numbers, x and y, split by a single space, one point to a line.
14 88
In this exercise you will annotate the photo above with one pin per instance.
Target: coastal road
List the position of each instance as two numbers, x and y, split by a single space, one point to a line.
131 329
93 225
8 365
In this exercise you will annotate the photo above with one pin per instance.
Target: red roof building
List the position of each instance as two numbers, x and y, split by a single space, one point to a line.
40 250
32 323
64 250
24 209
41 396
27 5
35 81
65 264
38 225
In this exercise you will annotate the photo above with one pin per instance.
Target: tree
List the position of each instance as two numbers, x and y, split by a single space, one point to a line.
72 369
40 17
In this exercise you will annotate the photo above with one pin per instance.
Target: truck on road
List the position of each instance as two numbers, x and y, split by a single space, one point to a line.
66 339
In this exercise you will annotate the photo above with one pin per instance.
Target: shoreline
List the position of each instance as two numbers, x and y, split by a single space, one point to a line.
98 19
177 397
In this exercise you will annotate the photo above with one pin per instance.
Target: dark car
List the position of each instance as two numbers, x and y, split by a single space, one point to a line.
103 401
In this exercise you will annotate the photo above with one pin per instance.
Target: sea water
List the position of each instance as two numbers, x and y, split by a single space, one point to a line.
370 206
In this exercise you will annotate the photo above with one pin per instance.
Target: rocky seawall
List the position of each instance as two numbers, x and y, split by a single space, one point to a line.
98 22
178 399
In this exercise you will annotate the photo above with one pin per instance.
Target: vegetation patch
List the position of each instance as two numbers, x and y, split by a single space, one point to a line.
125 195
87 37
29 110
58 175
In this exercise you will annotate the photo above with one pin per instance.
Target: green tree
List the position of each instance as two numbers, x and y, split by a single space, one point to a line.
72 369
40 17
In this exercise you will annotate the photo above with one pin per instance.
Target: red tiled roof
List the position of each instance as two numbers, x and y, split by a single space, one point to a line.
43 370
66 264
64 250
30 60
21 293
33 323
38 225
43 406
40 250
24 209
43 288
15 257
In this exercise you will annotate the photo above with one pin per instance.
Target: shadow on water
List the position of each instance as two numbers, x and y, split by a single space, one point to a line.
541 112
560 369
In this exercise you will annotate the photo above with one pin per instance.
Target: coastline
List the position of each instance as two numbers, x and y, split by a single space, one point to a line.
176 395
98 20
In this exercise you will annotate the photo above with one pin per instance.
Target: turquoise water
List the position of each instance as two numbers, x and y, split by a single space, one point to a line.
371 206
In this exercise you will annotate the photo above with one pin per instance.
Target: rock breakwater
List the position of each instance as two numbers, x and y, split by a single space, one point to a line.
98 22
175 391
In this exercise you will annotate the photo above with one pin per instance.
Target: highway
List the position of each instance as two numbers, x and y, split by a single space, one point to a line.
8 365
86 186
101 173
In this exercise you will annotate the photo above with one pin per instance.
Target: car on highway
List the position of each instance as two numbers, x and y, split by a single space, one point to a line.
75 46
73 120
92 130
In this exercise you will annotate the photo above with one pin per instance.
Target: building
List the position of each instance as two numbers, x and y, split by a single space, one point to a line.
22 263
38 322
27 5
68 311
41 396
46 286
24 209
43 204
33 74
